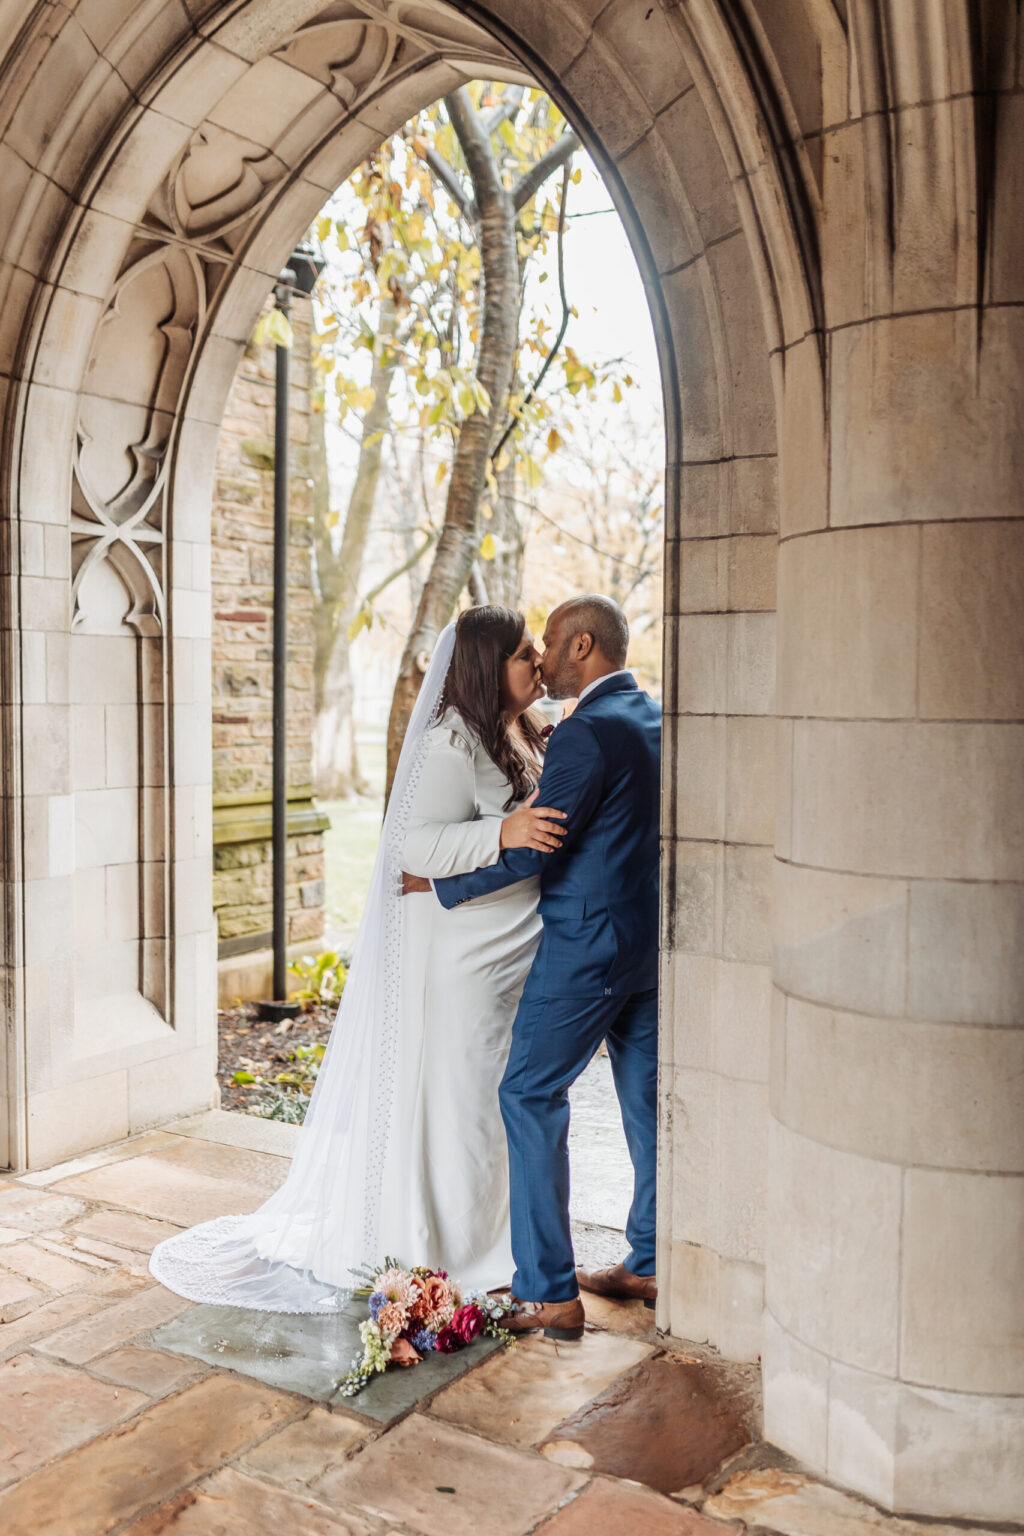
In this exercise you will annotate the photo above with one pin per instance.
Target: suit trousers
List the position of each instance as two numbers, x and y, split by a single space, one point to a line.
553 1040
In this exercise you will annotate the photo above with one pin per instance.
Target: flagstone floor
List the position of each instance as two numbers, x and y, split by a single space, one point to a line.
125 1410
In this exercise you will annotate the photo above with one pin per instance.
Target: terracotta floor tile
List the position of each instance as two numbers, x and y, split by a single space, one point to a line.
519 1396
669 1425
122 1229
302 1452
160 1451
185 1182
47 1409
439 1481
47 1318
620 1509
33 1210
148 1370
238 1505
122 1320
45 1268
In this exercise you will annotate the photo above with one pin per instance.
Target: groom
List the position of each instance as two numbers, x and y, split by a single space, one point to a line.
595 974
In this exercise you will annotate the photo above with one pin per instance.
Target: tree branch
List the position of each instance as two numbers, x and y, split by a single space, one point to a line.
566 311
476 144
442 172
507 107
414 559
538 174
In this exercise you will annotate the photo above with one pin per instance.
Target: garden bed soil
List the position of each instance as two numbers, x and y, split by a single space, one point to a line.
249 1044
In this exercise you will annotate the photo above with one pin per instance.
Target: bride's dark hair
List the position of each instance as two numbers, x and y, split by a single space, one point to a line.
485 638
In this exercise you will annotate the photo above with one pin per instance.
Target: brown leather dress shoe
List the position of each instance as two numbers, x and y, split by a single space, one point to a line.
620 1283
562 1320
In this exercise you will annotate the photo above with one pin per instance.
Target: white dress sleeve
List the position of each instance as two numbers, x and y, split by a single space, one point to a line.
446 835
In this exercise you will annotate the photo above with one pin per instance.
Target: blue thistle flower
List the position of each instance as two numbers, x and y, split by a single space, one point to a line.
423 1340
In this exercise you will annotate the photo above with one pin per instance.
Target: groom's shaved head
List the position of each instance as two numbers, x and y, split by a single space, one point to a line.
599 617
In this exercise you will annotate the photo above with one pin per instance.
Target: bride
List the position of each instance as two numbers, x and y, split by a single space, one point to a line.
403 1151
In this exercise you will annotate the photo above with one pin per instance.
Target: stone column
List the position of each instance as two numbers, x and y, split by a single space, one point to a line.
894 1347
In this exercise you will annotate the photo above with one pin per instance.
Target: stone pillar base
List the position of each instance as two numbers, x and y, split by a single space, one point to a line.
711 1299
908 1448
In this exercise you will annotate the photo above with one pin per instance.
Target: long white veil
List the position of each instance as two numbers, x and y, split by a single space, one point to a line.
297 1252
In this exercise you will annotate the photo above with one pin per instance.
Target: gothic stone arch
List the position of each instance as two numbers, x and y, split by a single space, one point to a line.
822 198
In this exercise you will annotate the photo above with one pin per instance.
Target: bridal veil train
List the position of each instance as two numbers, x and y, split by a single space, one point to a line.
298 1251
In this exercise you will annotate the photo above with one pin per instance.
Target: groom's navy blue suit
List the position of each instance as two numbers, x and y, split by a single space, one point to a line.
594 977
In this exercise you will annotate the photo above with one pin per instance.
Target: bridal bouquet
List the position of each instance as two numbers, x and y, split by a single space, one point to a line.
413 1311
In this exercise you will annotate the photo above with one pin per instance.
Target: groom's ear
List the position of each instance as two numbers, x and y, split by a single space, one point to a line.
583 644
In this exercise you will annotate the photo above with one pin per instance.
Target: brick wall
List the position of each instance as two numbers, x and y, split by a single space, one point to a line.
243 519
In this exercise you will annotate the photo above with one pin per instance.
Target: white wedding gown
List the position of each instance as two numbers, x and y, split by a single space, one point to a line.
444 1195
403 1151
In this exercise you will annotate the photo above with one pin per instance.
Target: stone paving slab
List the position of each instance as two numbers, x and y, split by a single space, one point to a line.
32 1210
607 1508
234 1130
790 1504
103 1484
46 1409
148 1370
184 1182
44 1319
670 1424
118 1153
301 1452
92 1336
235 1504
310 1354
519 1397
440 1481
123 1229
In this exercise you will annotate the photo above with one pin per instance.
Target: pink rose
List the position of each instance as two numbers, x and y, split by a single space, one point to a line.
467 1323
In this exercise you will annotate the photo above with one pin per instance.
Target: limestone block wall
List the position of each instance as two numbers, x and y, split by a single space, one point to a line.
242 655
894 1324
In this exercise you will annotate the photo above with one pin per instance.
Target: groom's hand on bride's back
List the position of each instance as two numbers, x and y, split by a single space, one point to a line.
533 826
413 884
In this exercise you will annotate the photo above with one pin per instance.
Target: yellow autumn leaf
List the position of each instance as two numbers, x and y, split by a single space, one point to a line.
440 472
273 327
488 548
554 441
323 227
531 471
486 510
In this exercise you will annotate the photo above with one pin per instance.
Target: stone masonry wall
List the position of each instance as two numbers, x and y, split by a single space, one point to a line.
242 575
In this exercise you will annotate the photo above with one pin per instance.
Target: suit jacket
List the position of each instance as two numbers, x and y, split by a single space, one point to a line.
599 891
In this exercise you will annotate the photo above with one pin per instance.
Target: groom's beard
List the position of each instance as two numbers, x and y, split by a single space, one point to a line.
563 681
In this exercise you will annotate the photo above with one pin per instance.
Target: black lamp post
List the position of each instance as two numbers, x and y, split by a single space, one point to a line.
299 276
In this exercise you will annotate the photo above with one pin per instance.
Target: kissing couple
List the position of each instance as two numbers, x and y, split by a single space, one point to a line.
511 925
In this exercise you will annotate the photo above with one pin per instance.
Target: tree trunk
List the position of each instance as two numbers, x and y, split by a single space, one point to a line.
335 759
495 219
